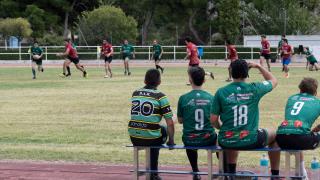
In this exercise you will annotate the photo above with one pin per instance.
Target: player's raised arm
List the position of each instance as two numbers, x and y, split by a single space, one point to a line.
265 73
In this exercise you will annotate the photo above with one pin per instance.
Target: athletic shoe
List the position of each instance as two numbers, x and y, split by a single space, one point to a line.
287 75
188 84
62 75
155 177
106 76
85 74
228 80
211 75
42 70
125 73
129 73
68 75
33 77
196 177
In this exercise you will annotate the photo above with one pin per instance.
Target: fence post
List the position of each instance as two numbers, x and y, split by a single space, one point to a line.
149 52
46 48
174 53
225 52
251 53
19 51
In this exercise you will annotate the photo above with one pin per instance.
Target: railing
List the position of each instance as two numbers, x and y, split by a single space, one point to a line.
142 52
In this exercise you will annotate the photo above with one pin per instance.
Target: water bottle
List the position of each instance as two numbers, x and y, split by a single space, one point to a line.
264 169
315 167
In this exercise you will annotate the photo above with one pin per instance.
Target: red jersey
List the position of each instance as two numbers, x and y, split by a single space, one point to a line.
265 47
72 51
192 50
286 51
106 49
232 52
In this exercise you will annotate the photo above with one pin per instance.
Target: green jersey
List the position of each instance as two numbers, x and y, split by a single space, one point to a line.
302 110
148 108
310 57
238 107
36 50
127 50
195 108
157 50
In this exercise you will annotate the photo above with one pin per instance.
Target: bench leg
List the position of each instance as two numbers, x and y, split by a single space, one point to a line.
136 163
287 165
148 175
298 163
209 164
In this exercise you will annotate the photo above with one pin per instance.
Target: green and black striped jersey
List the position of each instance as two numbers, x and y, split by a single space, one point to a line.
147 109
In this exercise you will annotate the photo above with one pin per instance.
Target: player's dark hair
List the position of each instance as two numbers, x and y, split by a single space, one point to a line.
239 69
308 85
197 75
283 35
152 78
285 40
67 39
228 42
263 36
188 39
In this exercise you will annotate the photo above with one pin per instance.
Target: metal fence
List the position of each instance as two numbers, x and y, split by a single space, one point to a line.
142 52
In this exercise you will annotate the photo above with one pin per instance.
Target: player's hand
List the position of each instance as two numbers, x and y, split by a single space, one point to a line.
59 54
253 65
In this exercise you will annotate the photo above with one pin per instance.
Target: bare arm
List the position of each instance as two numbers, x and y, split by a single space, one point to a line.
170 130
316 129
265 73
215 122
180 120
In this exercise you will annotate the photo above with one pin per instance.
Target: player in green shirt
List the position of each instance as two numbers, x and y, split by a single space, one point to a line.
127 52
149 105
36 55
237 105
301 112
157 54
311 59
194 110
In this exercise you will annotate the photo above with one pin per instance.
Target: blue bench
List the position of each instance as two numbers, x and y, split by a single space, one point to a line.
210 149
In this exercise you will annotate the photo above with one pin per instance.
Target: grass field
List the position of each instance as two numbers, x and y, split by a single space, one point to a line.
85 120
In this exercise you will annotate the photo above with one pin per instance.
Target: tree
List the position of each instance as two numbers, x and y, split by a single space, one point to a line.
18 27
108 22
36 17
228 19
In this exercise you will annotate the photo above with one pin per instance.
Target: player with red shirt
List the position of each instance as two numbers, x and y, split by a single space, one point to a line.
265 51
71 56
107 52
232 55
193 55
286 51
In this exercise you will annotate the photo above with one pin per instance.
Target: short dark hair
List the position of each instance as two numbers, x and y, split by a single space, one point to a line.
67 39
197 75
228 42
239 69
263 36
308 85
152 78
283 35
285 40
188 39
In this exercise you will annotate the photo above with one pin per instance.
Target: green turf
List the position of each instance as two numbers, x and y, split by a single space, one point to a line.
78 119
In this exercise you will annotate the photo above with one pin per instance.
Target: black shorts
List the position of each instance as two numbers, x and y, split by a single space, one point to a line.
262 141
193 65
37 61
151 142
266 56
297 141
74 60
156 58
108 59
312 63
